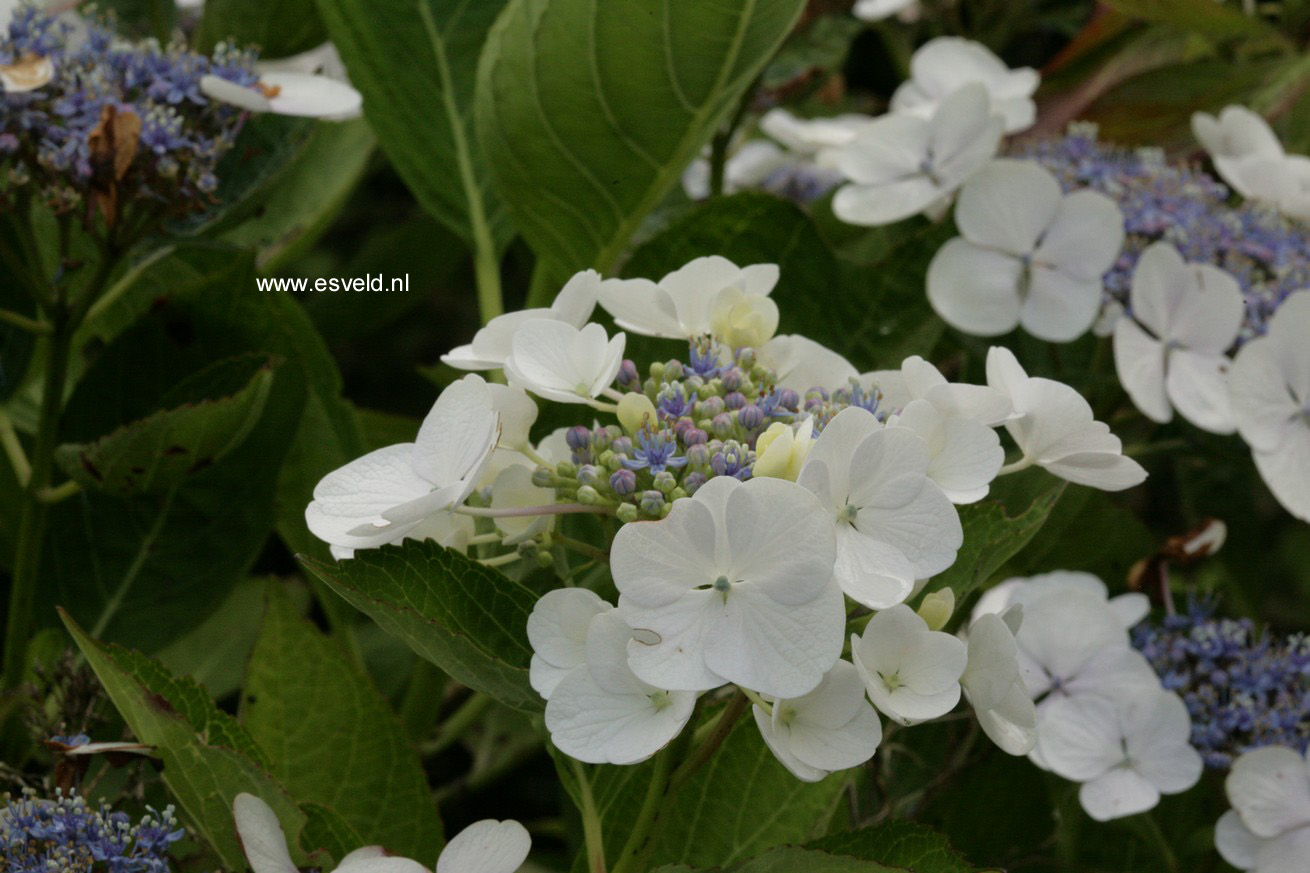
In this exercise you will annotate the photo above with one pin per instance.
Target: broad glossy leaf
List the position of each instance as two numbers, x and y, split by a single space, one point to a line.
469 620
331 736
588 110
418 95
208 757
157 453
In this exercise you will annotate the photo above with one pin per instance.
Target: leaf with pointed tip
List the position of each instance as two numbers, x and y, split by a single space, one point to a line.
469 620
217 408
208 757
331 736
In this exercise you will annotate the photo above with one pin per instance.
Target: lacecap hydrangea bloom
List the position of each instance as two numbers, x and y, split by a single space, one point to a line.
65 834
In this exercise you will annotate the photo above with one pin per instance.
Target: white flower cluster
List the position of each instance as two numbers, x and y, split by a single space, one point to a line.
486 846
1248 156
944 124
740 582
1103 718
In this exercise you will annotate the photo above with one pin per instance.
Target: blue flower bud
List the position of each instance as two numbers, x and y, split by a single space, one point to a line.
623 482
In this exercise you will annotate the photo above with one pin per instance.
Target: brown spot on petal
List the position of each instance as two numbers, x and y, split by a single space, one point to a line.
269 91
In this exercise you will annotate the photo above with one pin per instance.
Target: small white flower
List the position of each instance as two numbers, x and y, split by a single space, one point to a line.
1028 255
389 493
734 585
739 319
557 630
911 673
557 361
831 728
1055 428
682 304
892 523
901 164
492 344
943 65
601 713
1170 353
1248 156
1268 828
801 363
288 93
1270 385
1126 752
994 687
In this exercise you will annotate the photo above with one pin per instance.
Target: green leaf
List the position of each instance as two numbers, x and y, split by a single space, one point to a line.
899 844
331 736
469 620
291 212
589 110
214 653
419 103
1212 20
147 569
208 757
156 453
792 859
741 802
326 830
287 27
992 535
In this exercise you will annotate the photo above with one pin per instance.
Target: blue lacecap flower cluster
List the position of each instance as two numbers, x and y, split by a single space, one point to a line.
46 134
65 834
1268 254
1244 690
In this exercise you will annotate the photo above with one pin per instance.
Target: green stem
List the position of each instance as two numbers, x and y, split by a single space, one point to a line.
718 161
582 548
591 827
13 448
727 721
486 265
641 839
421 705
57 493
1149 829
460 721
32 519
31 325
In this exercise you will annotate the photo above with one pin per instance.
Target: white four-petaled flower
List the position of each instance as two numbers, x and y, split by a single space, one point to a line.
734 585
993 685
831 728
1028 255
1268 828
1126 751
555 360
942 66
1170 353
893 524
1055 428
910 672
900 164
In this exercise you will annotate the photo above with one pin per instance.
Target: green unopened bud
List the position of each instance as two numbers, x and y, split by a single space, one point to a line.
566 469
588 496
609 460
936 608
664 482
626 512
677 493
543 477
746 359
529 550
657 372
636 410
545 559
